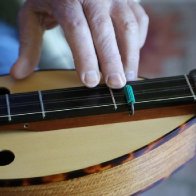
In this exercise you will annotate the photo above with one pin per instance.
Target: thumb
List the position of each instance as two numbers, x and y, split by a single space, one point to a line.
30 32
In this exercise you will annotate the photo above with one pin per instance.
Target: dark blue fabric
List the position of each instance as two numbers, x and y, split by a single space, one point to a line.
9 46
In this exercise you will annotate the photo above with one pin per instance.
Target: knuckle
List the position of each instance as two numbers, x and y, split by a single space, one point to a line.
105 40
75 23
68 14
99 21
130 26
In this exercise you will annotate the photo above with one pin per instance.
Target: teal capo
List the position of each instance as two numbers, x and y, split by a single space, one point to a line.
130 97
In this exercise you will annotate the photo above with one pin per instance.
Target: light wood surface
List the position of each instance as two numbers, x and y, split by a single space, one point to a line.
46 153
43 80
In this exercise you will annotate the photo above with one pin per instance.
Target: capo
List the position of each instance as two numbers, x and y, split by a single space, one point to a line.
130 97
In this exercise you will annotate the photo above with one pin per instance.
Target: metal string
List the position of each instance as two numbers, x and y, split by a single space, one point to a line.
103 96
77 99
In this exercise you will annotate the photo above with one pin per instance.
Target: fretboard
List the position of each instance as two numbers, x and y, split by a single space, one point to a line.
82 101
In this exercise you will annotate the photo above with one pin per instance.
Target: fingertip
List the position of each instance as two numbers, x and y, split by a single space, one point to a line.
21 70
90 78
115 80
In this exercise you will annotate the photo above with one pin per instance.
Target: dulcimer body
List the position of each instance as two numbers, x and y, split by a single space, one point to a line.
107 153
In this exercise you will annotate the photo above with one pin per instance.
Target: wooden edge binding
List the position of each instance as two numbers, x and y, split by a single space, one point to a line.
48 125
185 130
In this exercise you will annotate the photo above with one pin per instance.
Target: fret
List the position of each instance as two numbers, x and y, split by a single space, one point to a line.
113 99
190 87
8 108
41 104
3 108
25 106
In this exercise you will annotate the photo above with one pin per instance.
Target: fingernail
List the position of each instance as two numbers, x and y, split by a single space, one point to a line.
115 80
130 76
91 78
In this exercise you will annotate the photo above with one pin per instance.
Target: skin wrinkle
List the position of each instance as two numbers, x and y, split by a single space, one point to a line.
43 12
97 19
126 23
25 32
142 19
80 32
67 10
109 29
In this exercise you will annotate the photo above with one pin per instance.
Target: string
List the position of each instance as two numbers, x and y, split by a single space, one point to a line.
66 109
103 96
91 107
88 107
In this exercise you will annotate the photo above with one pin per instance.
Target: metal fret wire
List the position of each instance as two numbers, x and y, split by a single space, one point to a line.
113 99
41 104
8 107
190 87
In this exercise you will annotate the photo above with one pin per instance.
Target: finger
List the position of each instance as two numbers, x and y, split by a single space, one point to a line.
105 43
142 19
73 21
127 32
30 43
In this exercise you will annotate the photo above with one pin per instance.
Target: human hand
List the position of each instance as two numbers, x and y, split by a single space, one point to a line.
110 32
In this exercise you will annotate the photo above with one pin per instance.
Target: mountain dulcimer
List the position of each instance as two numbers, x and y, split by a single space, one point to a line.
79 141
